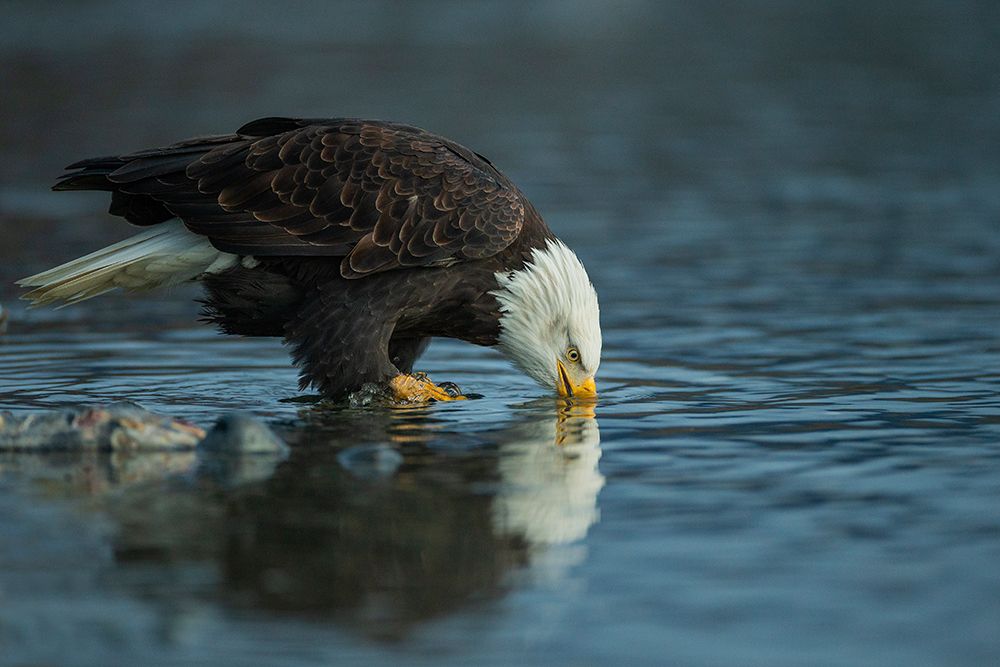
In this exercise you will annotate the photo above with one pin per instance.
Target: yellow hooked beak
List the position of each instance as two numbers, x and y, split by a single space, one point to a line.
586 389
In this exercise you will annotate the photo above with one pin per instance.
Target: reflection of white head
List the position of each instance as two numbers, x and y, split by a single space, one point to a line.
550 481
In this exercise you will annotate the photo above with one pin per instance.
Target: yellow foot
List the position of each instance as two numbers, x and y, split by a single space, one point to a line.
418 388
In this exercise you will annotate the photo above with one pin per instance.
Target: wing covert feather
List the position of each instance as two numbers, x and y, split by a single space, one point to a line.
378 195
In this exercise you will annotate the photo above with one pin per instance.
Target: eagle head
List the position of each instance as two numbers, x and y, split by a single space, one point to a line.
550 321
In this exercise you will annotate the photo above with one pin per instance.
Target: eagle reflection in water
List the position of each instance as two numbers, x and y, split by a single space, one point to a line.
451 526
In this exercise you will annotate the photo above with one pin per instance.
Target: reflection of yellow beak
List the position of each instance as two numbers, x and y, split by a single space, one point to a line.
572 420
586 389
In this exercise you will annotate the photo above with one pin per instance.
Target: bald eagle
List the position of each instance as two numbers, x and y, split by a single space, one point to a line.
355 240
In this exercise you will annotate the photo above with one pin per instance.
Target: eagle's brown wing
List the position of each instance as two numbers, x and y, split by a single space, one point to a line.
378 195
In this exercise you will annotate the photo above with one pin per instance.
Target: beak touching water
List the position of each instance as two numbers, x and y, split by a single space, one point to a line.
585 389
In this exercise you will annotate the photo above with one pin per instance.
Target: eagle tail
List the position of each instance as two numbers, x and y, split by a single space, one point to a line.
163 255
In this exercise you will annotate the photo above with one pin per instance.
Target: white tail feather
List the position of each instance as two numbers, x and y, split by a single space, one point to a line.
166 254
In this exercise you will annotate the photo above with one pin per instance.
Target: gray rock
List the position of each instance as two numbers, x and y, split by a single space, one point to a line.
239 449
240 433
370 461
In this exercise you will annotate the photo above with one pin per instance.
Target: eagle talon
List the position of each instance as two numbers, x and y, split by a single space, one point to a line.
452 389
418 388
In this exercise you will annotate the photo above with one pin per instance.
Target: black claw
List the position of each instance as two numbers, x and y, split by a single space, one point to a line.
451 389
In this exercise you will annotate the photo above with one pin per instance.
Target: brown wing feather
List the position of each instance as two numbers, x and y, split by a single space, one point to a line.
378 195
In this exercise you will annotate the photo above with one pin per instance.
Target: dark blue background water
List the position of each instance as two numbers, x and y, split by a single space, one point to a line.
791 214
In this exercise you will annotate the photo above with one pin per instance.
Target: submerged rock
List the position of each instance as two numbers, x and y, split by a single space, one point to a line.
242 433
370 461
122 426
239 449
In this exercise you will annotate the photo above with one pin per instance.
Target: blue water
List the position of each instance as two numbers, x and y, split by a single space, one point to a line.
791 216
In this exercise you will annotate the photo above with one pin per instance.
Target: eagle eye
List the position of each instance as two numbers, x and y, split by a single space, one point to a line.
573 354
